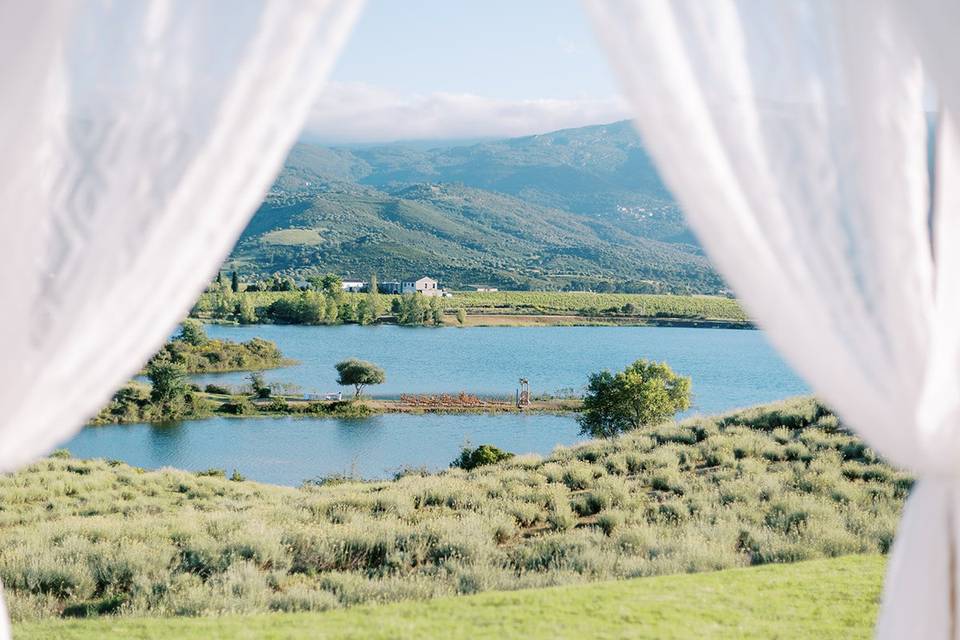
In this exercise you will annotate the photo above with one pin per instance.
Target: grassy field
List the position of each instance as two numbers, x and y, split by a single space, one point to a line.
835 598
774 484
643 305
557 307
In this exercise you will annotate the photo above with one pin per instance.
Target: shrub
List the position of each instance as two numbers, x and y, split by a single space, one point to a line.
608 521
483 455
278 405
100 538
216 389
238 408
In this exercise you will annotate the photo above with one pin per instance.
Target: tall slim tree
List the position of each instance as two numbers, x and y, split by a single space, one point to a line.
374 308
234 282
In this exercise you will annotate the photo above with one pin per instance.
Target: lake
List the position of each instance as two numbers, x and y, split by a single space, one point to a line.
730 368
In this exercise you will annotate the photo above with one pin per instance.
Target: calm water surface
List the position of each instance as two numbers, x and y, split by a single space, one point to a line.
730 369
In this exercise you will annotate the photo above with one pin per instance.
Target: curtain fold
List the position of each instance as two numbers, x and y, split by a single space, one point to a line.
794 137
139 137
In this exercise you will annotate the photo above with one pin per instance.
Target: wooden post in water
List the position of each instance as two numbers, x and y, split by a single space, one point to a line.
523 394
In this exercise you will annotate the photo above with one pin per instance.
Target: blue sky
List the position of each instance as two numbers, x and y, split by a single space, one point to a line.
432 69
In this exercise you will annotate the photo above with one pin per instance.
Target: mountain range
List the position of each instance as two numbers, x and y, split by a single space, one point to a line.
577 209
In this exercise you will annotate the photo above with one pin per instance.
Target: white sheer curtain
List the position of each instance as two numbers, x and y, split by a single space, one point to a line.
794 136
138 138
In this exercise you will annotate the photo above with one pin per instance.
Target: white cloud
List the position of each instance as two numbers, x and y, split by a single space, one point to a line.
348 112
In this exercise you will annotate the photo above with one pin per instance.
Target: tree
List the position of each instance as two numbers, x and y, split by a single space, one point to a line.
374 307
220 279
461 315
436 311
331 285
234 282
192 332
168 385
644 393
311 308
245 311
363 312
359 373
413 309
332 312
347 312
260 388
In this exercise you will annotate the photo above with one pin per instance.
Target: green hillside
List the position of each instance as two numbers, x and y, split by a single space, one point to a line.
580 209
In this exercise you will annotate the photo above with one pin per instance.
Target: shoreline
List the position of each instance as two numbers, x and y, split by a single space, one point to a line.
572 320
514 320
360 409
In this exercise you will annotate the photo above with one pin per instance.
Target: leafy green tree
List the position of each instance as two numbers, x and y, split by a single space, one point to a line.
245 311
461 315
311 308
284 310
359 374
644 393
347 312
282 283
234 282
374 305
168 386
331 285
224 302
260 388
332 312
192 332
363 312
436 311
413 309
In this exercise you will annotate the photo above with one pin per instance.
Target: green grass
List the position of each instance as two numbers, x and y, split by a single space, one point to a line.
835 598
577 302
612 305
774 484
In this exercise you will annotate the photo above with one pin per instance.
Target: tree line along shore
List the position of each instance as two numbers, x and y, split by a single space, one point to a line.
325 302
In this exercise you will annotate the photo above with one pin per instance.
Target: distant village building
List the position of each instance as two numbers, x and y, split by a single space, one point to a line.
354 286
486 289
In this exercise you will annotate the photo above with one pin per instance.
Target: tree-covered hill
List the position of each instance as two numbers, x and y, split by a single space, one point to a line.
581 208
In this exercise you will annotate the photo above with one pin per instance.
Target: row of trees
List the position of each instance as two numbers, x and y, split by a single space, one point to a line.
324 304
416 309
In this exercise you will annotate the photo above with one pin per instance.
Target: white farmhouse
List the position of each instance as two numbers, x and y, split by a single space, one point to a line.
426 286
354 286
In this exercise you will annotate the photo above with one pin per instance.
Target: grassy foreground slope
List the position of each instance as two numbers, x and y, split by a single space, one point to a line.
835 598
775 484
